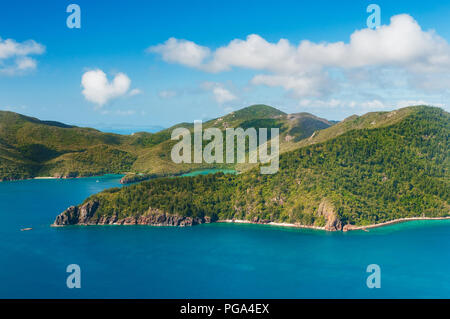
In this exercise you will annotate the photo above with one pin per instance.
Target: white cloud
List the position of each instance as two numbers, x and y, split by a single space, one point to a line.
181 51
15 56
300 85
401 43
304 68
367 105
97 88
220 93
134 92
371 105
254 53
10 48
25 63
321 103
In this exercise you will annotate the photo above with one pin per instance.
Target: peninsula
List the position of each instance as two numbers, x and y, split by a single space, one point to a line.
379 168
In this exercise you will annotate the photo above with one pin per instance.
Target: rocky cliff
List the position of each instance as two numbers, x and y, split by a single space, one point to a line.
326 209
85 215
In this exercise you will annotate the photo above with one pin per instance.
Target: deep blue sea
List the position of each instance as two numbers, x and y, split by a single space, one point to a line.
207 261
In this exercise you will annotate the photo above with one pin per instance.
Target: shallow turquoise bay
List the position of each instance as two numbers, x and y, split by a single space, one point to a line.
207 261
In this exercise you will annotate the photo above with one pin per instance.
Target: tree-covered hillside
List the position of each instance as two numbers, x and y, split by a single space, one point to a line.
369 174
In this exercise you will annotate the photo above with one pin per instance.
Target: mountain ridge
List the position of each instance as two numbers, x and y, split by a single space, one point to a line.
30 147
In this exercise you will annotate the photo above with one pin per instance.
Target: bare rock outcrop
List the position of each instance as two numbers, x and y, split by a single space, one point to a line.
85 215
326 209
77 215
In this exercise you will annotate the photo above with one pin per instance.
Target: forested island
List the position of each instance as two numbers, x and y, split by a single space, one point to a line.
365 170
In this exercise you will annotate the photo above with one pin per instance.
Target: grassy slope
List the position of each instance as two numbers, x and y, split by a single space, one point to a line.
396 168
30 147
156 160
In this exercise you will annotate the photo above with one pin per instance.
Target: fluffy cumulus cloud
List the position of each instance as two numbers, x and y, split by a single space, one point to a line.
15 56
181 51
220 93
307 69
300 84
99 90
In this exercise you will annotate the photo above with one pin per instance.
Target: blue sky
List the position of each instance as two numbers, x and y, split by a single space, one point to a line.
162 84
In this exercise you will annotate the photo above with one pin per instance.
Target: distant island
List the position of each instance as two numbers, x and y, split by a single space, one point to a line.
375 169
32 148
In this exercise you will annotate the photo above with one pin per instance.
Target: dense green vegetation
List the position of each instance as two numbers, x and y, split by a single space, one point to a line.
374 172
30 147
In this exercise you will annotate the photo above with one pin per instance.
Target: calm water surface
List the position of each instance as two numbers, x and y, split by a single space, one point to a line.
207 261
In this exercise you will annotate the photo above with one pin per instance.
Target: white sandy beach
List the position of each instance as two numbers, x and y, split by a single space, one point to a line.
240 221
346 227
395 221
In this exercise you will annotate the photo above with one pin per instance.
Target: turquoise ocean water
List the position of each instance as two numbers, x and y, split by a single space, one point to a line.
207 261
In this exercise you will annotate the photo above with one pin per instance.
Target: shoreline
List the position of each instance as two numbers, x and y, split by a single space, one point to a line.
57 177
178 174
394 221
345 228
240 221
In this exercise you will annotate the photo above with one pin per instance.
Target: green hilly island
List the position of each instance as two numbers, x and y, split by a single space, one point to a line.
364 170
33 148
